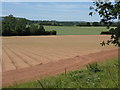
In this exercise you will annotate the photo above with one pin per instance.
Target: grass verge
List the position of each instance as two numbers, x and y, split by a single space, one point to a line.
96 75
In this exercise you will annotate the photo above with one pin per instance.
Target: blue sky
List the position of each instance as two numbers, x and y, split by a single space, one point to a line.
60 11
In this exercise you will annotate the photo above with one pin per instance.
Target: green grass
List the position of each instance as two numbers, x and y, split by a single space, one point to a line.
74 30
100 75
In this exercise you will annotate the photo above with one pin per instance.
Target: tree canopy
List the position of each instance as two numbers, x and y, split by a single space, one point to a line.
108 12
22 27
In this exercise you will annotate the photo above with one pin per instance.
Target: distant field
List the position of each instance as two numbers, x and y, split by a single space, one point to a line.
74 30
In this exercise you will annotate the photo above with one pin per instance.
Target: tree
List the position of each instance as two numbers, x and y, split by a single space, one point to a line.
108 12
53 32
40 30
33 29
21 26
95 24
88 24
8 25
27 31
13 26
6 30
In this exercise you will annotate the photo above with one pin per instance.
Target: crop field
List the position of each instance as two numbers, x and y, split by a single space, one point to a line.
76 30
25 52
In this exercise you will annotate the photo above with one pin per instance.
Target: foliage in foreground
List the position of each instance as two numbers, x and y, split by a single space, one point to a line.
97 75
108 12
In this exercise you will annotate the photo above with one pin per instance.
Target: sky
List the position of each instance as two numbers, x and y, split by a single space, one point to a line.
59 11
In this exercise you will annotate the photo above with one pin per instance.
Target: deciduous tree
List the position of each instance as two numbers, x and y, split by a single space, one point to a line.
108 11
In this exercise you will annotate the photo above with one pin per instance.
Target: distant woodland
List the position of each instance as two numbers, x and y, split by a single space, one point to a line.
14 26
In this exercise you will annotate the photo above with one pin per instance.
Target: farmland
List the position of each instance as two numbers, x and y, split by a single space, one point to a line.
32 56
80 78
60 45
76 30
35 50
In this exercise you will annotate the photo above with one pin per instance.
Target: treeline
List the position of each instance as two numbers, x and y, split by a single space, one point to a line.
55 23
95 24
71 23
12 26
22 27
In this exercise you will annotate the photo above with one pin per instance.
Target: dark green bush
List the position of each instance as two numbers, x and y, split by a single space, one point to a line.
53 32
107 33
93 67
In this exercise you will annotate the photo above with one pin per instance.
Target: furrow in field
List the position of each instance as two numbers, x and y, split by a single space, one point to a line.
53 68
46 53
26 53
43 58
9 57
18 62
66 53
28 58
32 56
8 64
21 56
55 53
49 53
62 53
